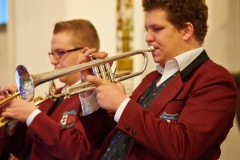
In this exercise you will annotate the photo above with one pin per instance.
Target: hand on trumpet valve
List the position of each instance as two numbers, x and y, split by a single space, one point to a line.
89 55
109 95
4 108
85 57
18 109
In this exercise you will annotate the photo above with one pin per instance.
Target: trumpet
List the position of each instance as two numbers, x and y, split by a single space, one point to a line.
37 101
52 90
101 68
9 98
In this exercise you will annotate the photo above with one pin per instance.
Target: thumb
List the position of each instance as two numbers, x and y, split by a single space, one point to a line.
121 87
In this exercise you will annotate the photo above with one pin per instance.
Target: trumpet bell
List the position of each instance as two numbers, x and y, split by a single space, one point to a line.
24 82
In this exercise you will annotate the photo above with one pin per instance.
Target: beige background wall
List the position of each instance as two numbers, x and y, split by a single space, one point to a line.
26 39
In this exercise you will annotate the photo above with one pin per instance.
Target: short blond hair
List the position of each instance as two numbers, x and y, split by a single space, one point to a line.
83 32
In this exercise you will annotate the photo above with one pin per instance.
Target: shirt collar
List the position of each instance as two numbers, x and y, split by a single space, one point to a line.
181 61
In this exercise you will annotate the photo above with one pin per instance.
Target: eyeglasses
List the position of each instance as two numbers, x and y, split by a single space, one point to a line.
58 54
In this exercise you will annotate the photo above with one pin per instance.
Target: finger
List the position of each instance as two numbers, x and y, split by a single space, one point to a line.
96 80
85 56
6 108
85 49
81 60
2 97
13 102
120 86
7 114
4 88
89 52
11 88
100 55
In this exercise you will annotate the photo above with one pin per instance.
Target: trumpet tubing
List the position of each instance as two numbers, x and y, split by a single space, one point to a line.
86 86
4 121
26 82
9 98
37 101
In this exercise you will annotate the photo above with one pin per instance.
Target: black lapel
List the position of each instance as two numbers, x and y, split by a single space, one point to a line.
203 57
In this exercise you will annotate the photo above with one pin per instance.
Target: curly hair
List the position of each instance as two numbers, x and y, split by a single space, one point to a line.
83 32
182 11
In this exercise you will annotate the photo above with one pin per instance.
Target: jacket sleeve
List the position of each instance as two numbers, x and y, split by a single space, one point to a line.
102 123
62 143
17 144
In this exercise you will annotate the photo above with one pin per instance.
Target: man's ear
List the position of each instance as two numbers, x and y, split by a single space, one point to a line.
188 31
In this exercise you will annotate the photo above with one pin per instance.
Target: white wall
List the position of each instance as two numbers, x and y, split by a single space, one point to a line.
32 22
30 31
3 54
101 14
29 35
223 38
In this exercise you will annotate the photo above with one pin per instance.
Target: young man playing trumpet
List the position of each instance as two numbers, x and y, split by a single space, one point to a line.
53 131
184 109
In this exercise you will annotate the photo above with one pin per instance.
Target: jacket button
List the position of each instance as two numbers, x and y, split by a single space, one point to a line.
127 128
134 132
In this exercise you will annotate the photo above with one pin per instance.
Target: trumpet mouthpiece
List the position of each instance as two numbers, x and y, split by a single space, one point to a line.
150 49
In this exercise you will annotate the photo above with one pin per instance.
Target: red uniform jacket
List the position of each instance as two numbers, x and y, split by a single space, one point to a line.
4 154
1 140
58 136
189 119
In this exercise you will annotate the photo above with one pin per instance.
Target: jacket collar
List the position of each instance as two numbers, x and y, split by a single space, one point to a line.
171 90
203 57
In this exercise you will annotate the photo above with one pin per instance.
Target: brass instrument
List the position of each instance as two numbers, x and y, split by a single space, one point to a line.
101 68
37 101
9 98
